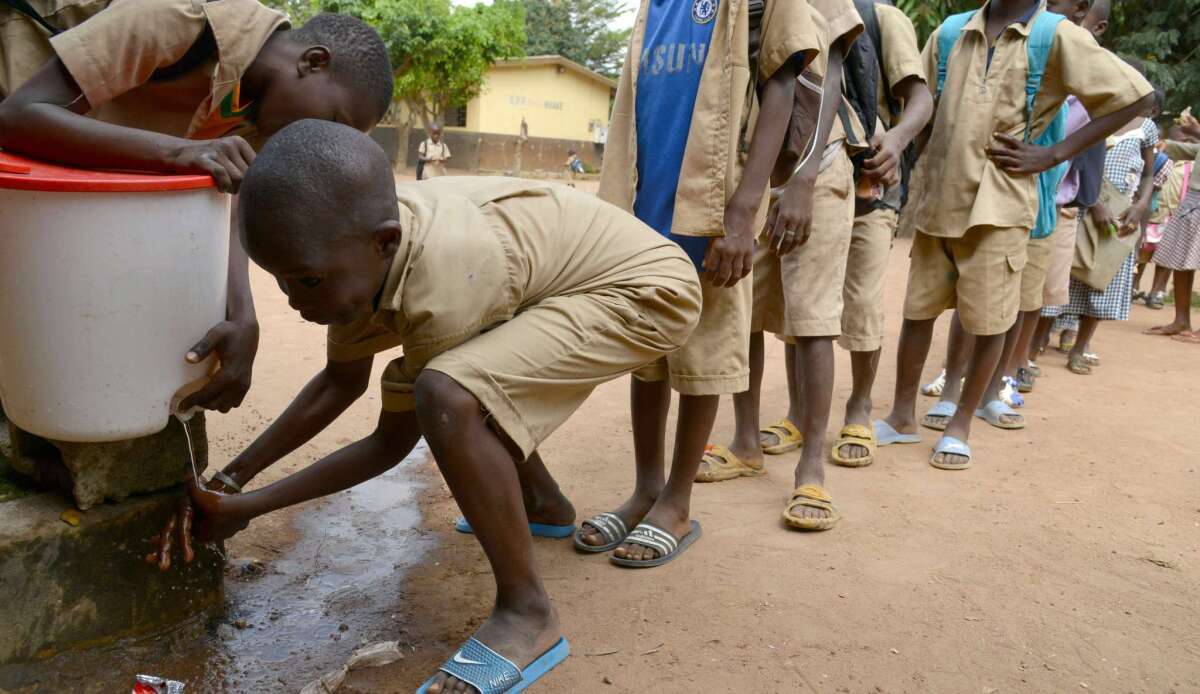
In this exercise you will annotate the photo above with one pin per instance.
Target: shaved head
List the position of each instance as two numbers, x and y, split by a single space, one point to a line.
315 183
319 212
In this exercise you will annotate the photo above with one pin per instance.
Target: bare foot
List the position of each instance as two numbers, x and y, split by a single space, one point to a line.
1168 330
519 635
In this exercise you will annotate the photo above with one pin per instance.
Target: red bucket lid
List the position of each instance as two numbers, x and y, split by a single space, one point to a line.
19 173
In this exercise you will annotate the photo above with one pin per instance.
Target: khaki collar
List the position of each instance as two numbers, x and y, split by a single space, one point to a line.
1022 26
412 244
240 29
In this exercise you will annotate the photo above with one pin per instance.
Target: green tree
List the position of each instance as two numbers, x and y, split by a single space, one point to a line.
1165 36
440 53
579 30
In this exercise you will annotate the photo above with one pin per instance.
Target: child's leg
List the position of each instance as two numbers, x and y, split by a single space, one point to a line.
1030 321
959 346
996 383
672 510
915 338
1183 306
1161 275
649 403
747 418
815 371
483 478
544 501
1041 336
984 359
862 315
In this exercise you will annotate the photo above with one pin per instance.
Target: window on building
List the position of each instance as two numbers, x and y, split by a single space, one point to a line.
456 117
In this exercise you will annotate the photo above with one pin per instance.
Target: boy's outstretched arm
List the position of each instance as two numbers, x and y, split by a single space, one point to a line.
1021 158
889 146
321 401
793 215
223 515
44 119
731 257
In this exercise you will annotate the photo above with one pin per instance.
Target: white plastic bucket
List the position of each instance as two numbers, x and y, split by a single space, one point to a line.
101 296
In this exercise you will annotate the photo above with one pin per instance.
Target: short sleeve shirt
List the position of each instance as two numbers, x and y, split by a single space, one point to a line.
964 189
1125 161
901 55
436 151
474 252
113 57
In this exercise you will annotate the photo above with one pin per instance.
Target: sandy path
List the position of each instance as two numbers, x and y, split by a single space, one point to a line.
1066 558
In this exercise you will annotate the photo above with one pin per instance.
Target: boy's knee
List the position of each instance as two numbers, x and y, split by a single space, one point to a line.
442 404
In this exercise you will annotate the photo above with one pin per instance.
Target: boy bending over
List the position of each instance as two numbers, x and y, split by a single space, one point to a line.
512 301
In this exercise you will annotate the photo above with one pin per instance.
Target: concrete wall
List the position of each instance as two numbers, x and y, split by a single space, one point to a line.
472 151
556 102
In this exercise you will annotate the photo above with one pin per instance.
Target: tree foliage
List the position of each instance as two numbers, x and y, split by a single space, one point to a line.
441 53
578 30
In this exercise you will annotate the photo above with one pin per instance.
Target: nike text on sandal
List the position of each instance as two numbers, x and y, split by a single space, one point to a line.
950 445
610 527
556 532
491 673
659 540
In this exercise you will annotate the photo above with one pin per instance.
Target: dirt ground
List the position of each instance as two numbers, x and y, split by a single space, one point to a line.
1065 559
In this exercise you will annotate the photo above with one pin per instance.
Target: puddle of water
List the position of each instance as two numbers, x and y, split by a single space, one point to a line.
346 569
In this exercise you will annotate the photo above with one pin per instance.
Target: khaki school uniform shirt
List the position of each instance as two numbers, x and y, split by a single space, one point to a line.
25 45
838 22
459 226
723 120
113 55
963 188
901 56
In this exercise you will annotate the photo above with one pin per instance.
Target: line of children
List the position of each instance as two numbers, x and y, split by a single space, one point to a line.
690 150
832 284
974 214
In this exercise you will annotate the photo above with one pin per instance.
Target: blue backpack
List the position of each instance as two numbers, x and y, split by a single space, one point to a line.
1041 39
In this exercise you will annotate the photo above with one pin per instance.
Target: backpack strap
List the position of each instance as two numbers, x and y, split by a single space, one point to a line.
26 9
1041 40
755 8
947 37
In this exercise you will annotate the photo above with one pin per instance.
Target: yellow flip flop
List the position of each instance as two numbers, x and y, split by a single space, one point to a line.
720 464
855 434
789 437
811 496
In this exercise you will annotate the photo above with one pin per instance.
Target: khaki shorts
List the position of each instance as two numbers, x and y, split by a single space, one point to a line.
1039 252
532 372
1058 275
979 273
866 274
716 358
800 294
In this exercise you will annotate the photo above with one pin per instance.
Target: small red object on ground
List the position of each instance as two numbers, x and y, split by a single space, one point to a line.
149 684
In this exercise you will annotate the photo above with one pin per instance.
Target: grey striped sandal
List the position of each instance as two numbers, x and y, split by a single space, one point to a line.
659 540
611 528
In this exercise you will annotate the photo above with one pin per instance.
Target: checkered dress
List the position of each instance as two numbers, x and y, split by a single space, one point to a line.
1179 248
1123 168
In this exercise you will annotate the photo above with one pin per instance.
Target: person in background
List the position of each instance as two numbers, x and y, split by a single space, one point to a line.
432 154
1179 250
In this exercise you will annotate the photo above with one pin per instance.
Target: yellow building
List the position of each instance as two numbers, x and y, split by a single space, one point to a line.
557 98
